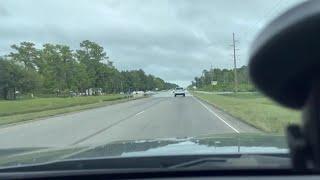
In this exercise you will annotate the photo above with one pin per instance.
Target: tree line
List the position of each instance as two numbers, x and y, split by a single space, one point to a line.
59 70
224 79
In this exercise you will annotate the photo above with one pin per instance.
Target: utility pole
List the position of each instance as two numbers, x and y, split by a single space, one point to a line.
235 64
211 72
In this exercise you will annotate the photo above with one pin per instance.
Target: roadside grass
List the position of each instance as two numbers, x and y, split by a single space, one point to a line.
42 104
254 109
67 106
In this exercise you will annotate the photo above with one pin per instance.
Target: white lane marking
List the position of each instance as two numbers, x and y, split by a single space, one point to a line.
216 115
139 113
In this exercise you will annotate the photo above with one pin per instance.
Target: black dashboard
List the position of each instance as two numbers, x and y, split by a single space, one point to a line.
262 174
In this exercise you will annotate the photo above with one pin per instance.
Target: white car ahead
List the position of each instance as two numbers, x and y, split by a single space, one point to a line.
179 91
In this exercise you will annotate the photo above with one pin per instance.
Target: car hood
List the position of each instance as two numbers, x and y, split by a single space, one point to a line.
214 144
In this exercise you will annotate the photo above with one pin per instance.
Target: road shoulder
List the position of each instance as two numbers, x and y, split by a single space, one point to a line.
239 125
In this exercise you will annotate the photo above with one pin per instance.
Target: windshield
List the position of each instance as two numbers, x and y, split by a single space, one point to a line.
75 75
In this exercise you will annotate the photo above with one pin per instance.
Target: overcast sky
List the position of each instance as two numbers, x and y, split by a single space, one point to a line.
172 39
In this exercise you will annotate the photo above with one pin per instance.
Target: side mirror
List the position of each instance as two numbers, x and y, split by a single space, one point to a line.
285 65
285 57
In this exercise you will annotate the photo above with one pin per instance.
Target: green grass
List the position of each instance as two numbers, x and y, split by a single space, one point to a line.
42 114
43 104
245 95
35 109
255 109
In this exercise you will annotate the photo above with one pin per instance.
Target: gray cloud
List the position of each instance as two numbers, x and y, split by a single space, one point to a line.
171 39
3 12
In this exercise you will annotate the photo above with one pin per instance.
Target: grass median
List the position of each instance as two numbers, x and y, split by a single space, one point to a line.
22 110
254 109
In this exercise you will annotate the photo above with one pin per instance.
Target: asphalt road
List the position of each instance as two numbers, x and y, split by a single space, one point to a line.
160 116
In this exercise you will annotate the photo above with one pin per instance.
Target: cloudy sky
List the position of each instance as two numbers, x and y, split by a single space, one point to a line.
172 39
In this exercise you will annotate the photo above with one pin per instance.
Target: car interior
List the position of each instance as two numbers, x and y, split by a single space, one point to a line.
290 41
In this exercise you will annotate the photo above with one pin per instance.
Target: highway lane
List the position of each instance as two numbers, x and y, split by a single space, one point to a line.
160 116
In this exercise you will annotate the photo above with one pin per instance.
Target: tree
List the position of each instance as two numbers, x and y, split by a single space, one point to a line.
225 79
170 85
62 71
56 68
52 69
81 80
26 53
15 78
92 55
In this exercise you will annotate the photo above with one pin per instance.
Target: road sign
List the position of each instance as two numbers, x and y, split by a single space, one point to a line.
214 83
